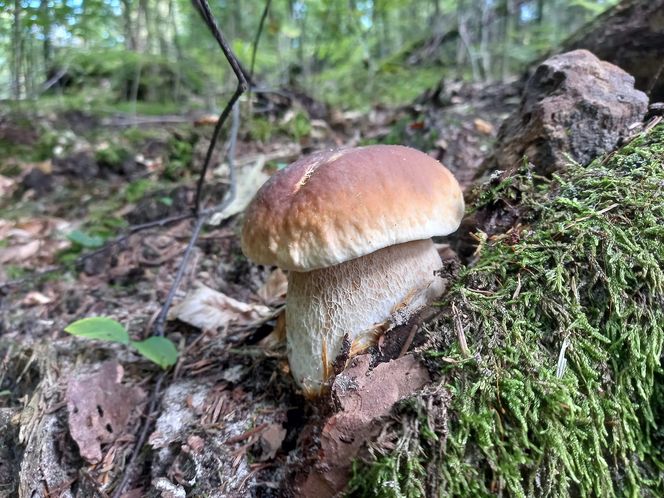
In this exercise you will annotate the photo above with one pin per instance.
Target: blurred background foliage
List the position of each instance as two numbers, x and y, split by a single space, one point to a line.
157 55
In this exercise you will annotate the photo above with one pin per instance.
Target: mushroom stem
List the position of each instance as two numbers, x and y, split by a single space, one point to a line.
354 298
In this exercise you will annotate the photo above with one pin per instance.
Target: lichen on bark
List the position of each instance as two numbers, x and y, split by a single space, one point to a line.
562 390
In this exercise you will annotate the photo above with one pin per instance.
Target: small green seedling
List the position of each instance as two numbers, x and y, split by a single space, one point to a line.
158 350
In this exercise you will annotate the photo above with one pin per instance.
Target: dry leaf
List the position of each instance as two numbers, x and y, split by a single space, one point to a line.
17 253
249 179
277 338
100 408
273 291
7 186
209 309
270 441
483 127
364 397
35 298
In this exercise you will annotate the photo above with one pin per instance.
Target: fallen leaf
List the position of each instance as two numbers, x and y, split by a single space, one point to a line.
273 291
35 298
21 252
483 127
209 309
277 338
99 408
249 179
7 186
364 397
270 441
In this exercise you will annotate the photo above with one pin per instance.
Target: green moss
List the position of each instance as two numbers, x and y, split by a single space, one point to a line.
261 129
180 156
584 275
135 190
112 156
298 127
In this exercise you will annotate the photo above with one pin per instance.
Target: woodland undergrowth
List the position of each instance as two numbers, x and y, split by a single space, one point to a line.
560 391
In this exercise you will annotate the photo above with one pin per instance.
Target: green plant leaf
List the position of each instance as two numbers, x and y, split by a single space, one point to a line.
158 350
99 327
86 240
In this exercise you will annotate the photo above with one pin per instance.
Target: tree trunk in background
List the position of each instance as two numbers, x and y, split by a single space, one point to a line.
630 35
178 49
434 22
144 6
506 42
485 52
540 11
16 51
128 27
47 47
161 28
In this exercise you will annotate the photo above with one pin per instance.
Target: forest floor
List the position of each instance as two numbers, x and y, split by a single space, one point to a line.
229 420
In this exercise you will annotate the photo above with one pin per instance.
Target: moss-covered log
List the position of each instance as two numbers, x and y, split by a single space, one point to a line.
559 391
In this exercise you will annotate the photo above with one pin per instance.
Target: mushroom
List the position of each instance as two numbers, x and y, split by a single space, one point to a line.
353 228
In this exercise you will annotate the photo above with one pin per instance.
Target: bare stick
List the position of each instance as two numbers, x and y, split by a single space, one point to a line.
152 405
200 221
257 39
201 216
127 233
208 156
204 10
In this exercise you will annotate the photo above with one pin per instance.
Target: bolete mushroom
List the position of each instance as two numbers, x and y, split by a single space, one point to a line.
353 228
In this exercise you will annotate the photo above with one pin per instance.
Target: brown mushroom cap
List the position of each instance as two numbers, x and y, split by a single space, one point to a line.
334 206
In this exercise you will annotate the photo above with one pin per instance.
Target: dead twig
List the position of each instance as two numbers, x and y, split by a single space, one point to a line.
257 39
200 215
78 262
155 396
201 218
408 342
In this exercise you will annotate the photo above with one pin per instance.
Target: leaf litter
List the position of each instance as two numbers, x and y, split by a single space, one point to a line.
231 421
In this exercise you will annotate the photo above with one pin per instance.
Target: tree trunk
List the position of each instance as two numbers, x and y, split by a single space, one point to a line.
47 46
507 39
630 35
128 26
485 53
16 51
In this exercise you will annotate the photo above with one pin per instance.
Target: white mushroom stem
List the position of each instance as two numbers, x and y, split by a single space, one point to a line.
354 298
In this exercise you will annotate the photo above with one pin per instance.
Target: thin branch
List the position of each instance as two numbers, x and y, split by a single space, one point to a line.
161 318
126 234
213 141
257 39
200 221
152 405
201 215
204 10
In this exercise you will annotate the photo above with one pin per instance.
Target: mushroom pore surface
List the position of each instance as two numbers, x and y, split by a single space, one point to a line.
354 298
